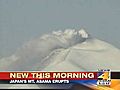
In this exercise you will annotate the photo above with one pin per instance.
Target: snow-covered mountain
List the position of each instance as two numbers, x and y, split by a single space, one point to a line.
69 50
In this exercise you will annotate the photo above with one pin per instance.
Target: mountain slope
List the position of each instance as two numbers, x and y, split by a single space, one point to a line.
92 54
70 50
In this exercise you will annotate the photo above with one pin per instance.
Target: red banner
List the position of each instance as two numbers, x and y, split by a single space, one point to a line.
47 75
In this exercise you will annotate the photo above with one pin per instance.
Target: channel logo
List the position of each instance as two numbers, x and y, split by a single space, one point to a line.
104 77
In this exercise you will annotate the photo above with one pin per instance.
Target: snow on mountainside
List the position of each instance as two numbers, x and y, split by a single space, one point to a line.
71 50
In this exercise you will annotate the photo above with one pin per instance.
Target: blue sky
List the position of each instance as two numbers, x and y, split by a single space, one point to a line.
22 20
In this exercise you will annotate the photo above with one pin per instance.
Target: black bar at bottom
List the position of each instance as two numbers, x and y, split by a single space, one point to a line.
115 75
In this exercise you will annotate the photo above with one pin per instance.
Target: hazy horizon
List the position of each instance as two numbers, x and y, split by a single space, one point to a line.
23 20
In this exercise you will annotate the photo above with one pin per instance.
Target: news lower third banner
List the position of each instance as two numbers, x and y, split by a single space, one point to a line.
95 80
